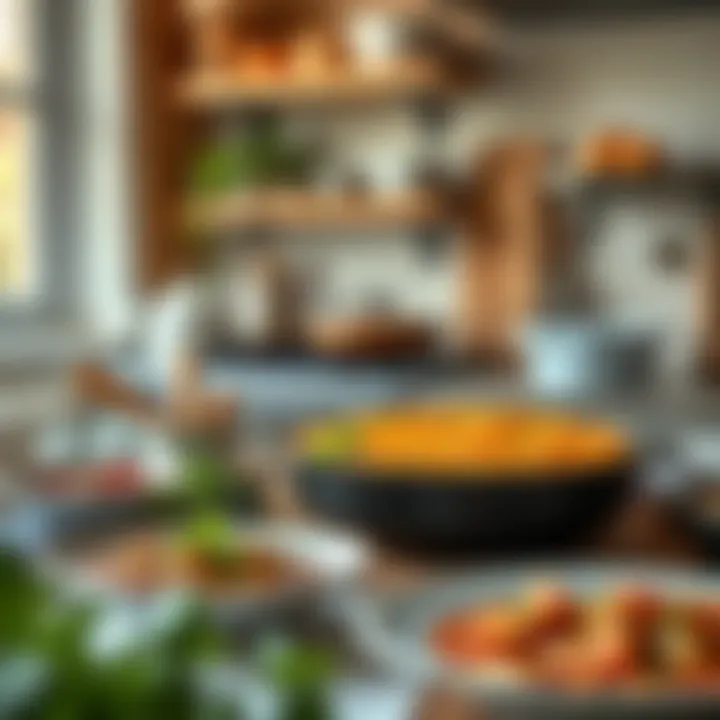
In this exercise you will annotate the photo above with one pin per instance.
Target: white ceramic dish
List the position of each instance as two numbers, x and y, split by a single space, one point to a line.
331 560
395 632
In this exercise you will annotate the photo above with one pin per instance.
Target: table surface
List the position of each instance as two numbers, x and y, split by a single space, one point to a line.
644 530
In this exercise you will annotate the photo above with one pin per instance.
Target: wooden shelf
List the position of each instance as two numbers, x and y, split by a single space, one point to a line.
697 183
400 81
302 211
191 8
543 12
471 27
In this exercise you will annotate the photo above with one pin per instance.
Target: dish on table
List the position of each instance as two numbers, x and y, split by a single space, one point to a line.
616 641
237 564
148 562
466 441
463 478
630 638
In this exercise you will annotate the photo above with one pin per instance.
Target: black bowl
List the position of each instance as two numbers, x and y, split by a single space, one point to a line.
446 514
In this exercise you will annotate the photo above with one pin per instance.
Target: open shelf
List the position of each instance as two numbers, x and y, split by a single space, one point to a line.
698 183
299 210
398 81
582 11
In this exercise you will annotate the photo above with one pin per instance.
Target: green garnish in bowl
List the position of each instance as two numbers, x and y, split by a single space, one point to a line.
330 441
212 537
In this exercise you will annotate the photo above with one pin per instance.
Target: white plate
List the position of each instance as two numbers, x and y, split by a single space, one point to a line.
395 631
333 560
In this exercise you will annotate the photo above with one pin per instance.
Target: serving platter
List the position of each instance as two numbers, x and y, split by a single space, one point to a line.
395 629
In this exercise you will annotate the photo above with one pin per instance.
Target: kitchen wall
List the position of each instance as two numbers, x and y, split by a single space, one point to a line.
562 84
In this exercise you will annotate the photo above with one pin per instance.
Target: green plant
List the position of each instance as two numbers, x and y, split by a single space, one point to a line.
259 157
206 478
52 669
302 675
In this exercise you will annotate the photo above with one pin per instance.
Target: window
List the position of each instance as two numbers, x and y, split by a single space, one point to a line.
64 198
62 184
19 124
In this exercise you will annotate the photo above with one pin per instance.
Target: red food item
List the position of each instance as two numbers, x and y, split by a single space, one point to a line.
612 658
630 639
118 478
573 664
488 634
550 610
704 620
701 677
637 611
708 681
562 663
638 606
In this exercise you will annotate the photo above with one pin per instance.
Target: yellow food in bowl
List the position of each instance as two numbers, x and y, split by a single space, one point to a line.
461 440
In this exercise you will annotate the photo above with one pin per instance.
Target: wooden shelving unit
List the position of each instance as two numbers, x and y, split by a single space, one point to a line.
401 81
303 211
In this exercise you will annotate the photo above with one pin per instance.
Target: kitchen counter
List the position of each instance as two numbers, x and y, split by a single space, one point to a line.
282 387
279 394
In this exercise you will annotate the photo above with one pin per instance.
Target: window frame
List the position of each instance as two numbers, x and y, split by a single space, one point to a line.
51 96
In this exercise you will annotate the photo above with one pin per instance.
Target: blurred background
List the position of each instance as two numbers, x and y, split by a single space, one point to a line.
222 218
379 194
